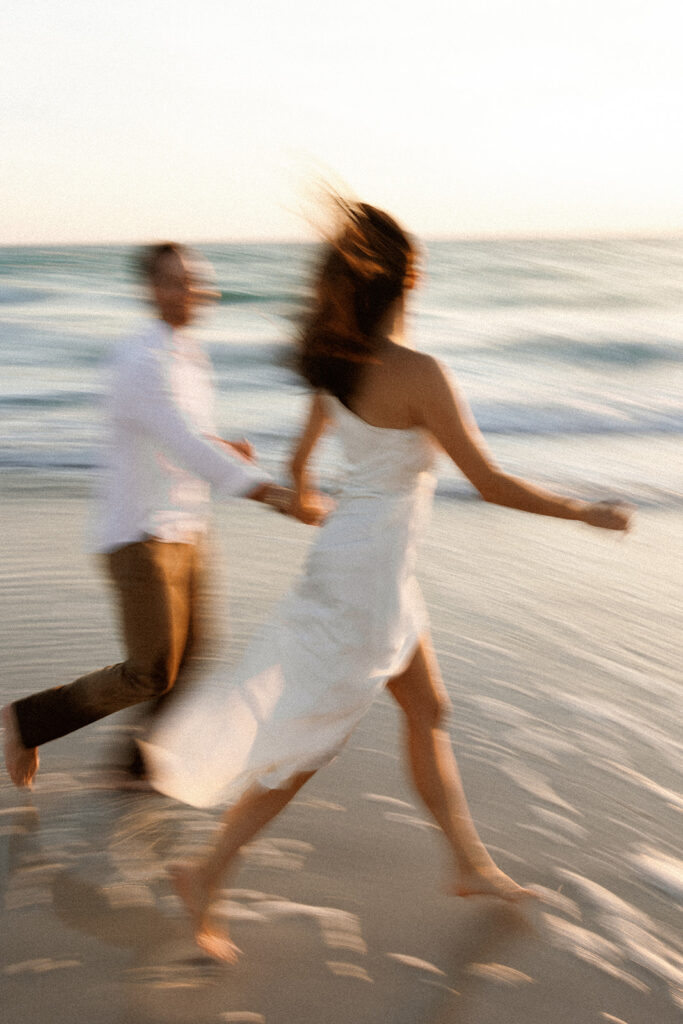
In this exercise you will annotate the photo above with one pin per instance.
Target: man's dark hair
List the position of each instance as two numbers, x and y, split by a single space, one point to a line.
151 256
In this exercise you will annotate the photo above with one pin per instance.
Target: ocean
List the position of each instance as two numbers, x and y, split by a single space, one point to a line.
569 351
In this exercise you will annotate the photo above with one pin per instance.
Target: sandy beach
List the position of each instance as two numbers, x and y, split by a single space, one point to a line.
561 650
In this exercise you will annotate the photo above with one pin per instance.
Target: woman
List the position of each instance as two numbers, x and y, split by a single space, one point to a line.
354 622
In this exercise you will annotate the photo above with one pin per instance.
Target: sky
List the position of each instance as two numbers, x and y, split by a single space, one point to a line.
217 120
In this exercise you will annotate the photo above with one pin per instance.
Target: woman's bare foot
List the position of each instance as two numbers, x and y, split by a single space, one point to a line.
489 880
21 762
196 898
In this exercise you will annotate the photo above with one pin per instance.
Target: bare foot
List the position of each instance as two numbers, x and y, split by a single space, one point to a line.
490 881
21 761
217 944
196 899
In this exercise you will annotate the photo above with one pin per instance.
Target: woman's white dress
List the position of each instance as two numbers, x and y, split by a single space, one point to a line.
350 622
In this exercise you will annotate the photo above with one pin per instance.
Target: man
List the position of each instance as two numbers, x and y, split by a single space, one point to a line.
163 462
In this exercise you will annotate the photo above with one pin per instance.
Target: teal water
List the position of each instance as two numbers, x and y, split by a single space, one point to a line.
570 352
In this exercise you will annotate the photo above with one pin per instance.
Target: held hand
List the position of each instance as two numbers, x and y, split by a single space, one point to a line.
311 508
608 515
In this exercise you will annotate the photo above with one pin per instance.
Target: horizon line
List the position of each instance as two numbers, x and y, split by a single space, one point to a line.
556 236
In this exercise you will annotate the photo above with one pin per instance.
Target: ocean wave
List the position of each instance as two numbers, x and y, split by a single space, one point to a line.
631 492
584 300
83 459
495 298
233 356
561 348
549 419
50 400
54 460
18 296
570 420
232 297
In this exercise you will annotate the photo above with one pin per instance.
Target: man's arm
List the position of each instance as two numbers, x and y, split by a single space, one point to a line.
150 404
242 447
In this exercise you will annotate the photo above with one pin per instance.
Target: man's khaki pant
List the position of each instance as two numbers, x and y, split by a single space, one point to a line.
158 587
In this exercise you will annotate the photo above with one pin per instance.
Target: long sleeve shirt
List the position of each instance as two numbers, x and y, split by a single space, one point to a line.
161 468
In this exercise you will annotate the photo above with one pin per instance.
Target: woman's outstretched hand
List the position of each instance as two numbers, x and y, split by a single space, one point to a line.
608 515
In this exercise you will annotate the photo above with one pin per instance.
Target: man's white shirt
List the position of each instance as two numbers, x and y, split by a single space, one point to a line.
161 469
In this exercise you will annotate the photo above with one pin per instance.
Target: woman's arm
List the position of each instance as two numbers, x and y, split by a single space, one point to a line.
306 494
446 414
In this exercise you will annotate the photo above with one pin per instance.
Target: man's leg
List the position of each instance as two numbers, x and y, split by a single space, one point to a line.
200 640
152 584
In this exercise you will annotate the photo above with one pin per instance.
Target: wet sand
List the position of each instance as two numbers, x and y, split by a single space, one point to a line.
561 650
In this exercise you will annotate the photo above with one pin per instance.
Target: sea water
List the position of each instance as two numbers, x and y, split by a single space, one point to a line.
570 353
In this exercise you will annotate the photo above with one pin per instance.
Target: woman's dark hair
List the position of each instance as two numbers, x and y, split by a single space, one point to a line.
365 268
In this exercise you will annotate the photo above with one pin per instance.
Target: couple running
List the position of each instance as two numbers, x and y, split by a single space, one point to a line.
353 623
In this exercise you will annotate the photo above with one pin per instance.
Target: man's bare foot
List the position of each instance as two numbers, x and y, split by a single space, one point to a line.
21 761
196 899
490 881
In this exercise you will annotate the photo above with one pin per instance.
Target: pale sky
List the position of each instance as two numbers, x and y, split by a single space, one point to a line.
124 120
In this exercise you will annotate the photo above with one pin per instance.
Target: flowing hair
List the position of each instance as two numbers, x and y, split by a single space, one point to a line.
366 266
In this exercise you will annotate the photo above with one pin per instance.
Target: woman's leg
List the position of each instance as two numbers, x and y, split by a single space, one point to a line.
196 884
421 695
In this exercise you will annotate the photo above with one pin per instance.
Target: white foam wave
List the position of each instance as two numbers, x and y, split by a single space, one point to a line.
671 797
533 782
635 933
662 870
